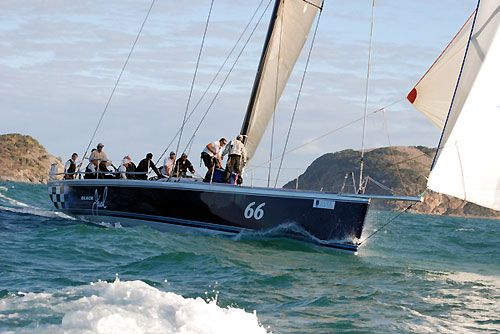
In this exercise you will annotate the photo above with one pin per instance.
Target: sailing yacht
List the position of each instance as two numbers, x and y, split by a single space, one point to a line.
326 219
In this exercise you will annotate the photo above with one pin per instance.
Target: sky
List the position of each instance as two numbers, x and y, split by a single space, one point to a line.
60 60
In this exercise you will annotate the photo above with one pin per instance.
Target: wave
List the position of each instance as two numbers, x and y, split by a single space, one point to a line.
11 201
123 307
13 205
290 229
30 210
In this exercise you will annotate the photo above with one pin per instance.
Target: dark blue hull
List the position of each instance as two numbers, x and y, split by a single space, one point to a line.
326 219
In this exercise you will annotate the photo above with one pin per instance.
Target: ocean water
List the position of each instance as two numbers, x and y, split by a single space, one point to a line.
423 274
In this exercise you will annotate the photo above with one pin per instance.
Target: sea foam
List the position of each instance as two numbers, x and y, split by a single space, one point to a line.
128 307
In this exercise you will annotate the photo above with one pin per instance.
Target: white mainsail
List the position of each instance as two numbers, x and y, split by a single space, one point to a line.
467 163
293 22
434 91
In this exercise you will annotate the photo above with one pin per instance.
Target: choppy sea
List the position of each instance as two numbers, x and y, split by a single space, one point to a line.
423 274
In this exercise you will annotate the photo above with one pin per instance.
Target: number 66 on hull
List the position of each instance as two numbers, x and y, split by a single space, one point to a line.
258 213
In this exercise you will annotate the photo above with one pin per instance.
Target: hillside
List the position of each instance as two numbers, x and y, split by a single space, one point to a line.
401 169
23 159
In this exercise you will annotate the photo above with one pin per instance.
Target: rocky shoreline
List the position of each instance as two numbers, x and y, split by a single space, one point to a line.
23 159
402 169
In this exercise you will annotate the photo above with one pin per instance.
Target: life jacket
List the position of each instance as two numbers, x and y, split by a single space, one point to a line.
72 166
71 169
89 174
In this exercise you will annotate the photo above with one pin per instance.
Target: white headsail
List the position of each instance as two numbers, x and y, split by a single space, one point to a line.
289 33
434 91
467 163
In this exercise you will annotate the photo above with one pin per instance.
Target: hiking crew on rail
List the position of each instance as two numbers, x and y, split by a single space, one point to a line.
211 155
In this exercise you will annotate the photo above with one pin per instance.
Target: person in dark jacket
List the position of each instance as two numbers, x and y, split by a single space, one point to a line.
182 166
90 171
131 168
144 166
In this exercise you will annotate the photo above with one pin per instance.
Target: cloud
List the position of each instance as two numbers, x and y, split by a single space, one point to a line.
60 61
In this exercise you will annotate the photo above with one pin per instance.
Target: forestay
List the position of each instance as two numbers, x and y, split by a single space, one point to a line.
289 33
434 91
467 164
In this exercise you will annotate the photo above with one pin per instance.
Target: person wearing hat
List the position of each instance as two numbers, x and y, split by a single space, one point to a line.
168 164
99 154
182 166
123 168
144 166
211 157
237 158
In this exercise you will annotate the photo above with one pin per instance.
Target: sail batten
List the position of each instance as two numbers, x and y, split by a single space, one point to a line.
467 162
291 22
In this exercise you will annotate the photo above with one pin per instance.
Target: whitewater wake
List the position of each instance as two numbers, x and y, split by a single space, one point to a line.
124 307
286 230
13 205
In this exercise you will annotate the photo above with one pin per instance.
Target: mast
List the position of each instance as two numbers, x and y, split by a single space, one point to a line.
361 167
256 84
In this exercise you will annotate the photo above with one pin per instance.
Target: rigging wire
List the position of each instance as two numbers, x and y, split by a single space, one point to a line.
390 221
195 73
271 152
369 178
330 132
118 80
405 187
216 75
366 99
298 95
230 70
276 99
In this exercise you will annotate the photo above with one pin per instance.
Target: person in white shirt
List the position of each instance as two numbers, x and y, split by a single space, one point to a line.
123 168
99 155
90 171
237 158
168 165
211 157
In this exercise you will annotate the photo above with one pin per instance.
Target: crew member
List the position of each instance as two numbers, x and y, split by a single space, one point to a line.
131 167
90 171
123 168
99 154
237 158
144 166
211 157
70 167
182 166
168 164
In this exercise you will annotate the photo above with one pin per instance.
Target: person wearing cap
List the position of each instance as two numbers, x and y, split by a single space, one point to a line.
168 164
182 166
144 166
99 154
123 168
237 158
211 157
